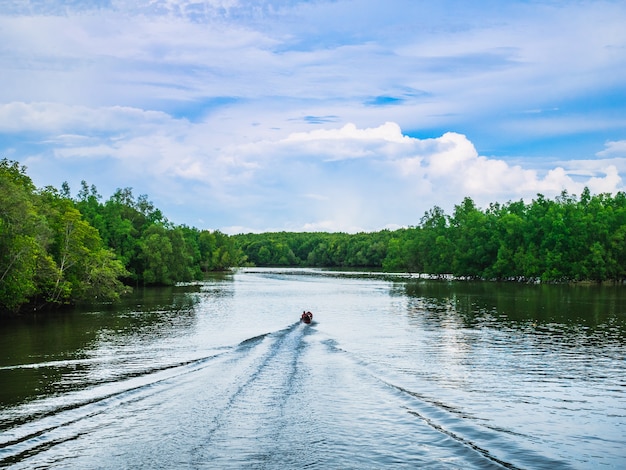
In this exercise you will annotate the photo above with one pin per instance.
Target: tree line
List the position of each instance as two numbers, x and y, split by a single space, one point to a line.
315 249
56 249
561 240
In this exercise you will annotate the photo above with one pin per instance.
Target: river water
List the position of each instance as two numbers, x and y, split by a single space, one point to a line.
394 372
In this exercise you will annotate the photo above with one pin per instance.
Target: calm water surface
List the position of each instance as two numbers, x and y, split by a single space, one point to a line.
393 373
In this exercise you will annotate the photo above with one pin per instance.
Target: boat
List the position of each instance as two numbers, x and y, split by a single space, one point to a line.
306 317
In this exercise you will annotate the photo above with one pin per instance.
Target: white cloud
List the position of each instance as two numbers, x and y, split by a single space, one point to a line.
289 115
390 132
118 56
441 171
614 149
50 117
345 177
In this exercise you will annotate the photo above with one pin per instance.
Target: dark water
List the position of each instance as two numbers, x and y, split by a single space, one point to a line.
393 373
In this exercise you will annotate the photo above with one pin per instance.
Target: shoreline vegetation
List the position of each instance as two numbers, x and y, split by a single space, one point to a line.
56 249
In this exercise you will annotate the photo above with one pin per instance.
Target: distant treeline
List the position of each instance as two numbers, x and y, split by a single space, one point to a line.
316 249
561 240
57 250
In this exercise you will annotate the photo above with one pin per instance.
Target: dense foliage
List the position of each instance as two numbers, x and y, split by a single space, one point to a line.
153 250
49 255
315 249
566 239
57 250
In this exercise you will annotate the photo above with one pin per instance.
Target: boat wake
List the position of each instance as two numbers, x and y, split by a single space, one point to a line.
38 426
460 433
286 398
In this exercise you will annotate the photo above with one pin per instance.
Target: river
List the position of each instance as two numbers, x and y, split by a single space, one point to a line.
394 372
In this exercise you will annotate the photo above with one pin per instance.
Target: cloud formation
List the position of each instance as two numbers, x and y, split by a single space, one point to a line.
343 178
296 115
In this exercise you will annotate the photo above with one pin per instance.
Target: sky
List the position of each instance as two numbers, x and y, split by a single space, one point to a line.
333 115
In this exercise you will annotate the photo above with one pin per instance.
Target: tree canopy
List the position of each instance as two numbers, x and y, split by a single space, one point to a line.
56 249
560 240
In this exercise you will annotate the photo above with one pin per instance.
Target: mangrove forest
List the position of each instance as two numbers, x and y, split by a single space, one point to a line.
57 249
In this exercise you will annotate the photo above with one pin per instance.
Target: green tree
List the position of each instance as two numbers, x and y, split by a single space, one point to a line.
510 233
475 249
157 255
431 248
23 238
84 266
395 259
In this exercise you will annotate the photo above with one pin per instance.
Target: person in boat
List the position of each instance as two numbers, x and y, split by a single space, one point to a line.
306 317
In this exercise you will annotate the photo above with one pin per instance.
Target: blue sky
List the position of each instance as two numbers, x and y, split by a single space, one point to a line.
315 115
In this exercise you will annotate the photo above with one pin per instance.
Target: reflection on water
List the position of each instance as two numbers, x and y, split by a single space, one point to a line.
393 373
56 352
594 311
543 359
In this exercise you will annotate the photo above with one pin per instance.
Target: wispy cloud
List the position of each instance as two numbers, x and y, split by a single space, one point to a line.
614 149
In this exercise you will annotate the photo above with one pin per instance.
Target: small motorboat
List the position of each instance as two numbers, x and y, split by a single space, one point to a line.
306 317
